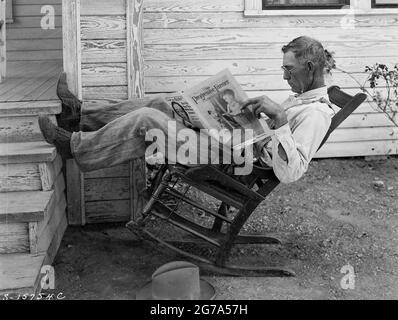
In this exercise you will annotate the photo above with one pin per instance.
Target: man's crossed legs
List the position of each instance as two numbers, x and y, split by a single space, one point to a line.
116 133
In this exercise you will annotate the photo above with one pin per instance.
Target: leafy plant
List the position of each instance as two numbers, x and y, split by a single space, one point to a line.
383 83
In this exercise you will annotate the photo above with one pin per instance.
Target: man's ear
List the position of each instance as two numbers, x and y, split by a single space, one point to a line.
311 66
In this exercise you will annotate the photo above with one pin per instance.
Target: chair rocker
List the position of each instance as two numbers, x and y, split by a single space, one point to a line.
243 194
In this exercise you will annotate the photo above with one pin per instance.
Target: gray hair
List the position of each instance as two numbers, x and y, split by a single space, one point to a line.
306 48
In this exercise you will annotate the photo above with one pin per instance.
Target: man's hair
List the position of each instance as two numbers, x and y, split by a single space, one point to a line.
306 48
228 92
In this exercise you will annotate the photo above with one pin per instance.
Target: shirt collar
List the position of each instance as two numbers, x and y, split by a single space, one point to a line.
313 94
306 97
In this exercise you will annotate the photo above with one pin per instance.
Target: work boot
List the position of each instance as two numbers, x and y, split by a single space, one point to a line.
56 136
69 118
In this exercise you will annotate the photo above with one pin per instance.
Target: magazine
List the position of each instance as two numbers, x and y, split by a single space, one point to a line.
216 104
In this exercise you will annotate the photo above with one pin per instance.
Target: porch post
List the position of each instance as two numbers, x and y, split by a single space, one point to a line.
2 39
135 74
72 67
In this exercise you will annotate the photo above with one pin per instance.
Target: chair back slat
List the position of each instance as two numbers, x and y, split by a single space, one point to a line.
338 97
347 103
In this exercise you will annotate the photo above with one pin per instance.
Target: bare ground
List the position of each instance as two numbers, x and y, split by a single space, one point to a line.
332 217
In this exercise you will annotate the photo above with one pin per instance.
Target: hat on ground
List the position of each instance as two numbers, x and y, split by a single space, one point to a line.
177 280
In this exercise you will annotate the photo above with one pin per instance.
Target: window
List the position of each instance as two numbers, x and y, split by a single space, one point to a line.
384 3
303 4
255 8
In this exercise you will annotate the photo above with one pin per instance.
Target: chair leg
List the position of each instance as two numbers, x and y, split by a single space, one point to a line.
158 178
222 210
140 223
234 229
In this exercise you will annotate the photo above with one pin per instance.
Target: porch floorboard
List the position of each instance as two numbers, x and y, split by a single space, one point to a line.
30 81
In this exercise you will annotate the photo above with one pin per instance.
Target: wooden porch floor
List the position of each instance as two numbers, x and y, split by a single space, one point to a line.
30 81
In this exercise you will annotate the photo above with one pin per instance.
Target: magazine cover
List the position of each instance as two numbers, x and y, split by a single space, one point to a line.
216 103
182 108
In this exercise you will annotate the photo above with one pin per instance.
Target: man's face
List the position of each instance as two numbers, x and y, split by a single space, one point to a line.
298 77
228 98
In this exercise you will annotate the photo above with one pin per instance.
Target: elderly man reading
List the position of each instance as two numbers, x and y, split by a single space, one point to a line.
112 134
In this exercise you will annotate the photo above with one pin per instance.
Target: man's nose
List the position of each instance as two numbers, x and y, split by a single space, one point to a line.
286 75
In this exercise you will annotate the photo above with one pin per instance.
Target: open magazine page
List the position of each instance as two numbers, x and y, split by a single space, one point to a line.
218 101
182 108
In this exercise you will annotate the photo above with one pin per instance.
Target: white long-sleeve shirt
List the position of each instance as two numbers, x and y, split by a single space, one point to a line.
309 117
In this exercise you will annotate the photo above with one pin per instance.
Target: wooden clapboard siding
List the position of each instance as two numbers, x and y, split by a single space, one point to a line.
103 74
26 40
365 148
29 10
261 35
188 20
33 33
107 27
187 41
107 211
111 59
102 51
106 189
202 67
115 7
104 39
113 51
105 92
116 172
33 22
38 55
220 51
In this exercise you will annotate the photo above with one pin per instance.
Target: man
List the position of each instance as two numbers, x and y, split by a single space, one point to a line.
115 134
233 106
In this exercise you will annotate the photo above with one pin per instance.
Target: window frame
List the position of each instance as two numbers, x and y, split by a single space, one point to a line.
253 8
307 7
383 5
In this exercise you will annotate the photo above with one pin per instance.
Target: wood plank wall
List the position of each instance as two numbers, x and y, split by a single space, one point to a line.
186 41
107 193
26 40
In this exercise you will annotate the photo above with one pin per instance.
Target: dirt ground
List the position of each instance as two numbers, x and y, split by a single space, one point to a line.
342 212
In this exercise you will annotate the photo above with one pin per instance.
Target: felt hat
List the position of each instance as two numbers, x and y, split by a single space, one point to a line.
177 280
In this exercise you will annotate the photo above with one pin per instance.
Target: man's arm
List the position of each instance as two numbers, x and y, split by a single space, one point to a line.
292 152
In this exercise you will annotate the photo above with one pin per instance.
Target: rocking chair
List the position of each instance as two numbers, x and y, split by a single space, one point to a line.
232 191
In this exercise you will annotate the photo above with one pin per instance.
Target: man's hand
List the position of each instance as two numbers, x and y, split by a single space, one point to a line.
265 105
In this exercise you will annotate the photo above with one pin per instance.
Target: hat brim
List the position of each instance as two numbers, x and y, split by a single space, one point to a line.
207 291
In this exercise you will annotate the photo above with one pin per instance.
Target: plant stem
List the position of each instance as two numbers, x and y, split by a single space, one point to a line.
362 87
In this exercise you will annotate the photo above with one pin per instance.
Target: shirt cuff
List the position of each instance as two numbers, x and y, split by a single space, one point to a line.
283 131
